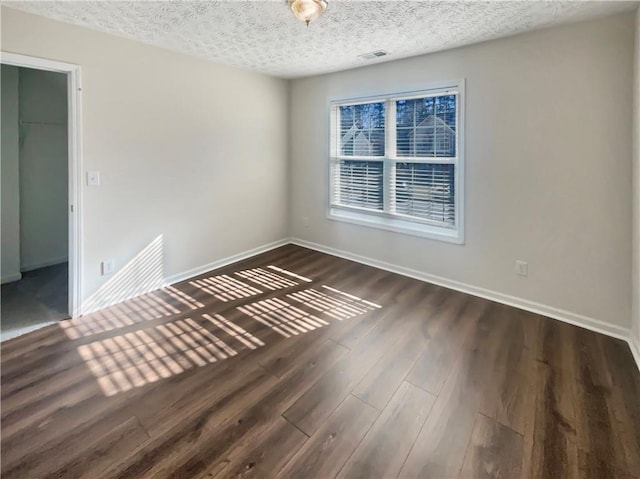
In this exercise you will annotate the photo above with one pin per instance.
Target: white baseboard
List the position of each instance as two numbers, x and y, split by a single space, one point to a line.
43 264
532 306
176 278
10 278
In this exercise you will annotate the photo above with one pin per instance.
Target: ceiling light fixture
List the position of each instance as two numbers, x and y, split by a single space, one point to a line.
307 10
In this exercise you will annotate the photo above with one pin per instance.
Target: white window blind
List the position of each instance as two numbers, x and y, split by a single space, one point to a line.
424 190
359 184
396 162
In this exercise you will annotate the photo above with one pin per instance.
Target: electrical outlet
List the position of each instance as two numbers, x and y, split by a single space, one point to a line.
108 267
93 178
522 268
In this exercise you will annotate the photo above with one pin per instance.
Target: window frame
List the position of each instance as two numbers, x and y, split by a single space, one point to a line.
383 219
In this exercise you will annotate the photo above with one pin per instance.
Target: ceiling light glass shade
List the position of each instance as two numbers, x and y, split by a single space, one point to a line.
307 10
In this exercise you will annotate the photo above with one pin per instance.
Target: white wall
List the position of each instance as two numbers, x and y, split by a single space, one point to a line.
187 149
44 168
196 153
548 170
10 176
635 318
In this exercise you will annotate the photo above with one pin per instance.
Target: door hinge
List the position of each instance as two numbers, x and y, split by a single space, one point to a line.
71 208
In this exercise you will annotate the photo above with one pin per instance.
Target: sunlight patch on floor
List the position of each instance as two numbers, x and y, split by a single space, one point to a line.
290 273
225 288
183 298
233 330
142 356
128 313
267 279
283 318
334 303
146 356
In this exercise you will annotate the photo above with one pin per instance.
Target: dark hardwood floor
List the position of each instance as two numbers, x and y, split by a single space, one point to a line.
296 364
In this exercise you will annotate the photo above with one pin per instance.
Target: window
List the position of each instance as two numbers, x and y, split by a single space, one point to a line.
397 162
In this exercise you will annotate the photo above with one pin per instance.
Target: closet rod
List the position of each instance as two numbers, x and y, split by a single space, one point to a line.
22 122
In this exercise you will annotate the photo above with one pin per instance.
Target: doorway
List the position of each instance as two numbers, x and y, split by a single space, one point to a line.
40 183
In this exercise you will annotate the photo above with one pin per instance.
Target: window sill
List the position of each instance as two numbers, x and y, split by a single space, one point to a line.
397 225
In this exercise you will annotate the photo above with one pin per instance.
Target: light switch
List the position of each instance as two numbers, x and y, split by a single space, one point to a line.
93 178
522 268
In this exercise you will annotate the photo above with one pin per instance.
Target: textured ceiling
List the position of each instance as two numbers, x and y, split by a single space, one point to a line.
263 35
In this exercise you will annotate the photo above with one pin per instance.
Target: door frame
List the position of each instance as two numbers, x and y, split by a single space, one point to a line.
74 132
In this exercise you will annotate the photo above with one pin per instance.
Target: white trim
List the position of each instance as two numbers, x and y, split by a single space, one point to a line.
76 232
532 306
74 132
10 278
43 264
386 219
177 278
461 138
26 61
436 87
374 219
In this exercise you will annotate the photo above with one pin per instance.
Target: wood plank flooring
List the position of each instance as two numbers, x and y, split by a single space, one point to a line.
296 364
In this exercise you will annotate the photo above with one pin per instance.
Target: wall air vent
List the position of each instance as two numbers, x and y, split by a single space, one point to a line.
372 55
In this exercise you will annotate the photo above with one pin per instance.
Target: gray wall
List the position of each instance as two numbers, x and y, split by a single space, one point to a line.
43 168
636 193
10 176
548 170
187 149
549 176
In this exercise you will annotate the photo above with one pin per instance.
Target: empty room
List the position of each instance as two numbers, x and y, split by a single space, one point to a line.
305 239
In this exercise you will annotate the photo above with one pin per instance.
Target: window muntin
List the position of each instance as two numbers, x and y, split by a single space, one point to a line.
395 162
362 129
426 127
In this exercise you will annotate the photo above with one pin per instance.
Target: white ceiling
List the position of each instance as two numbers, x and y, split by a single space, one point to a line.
263 35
